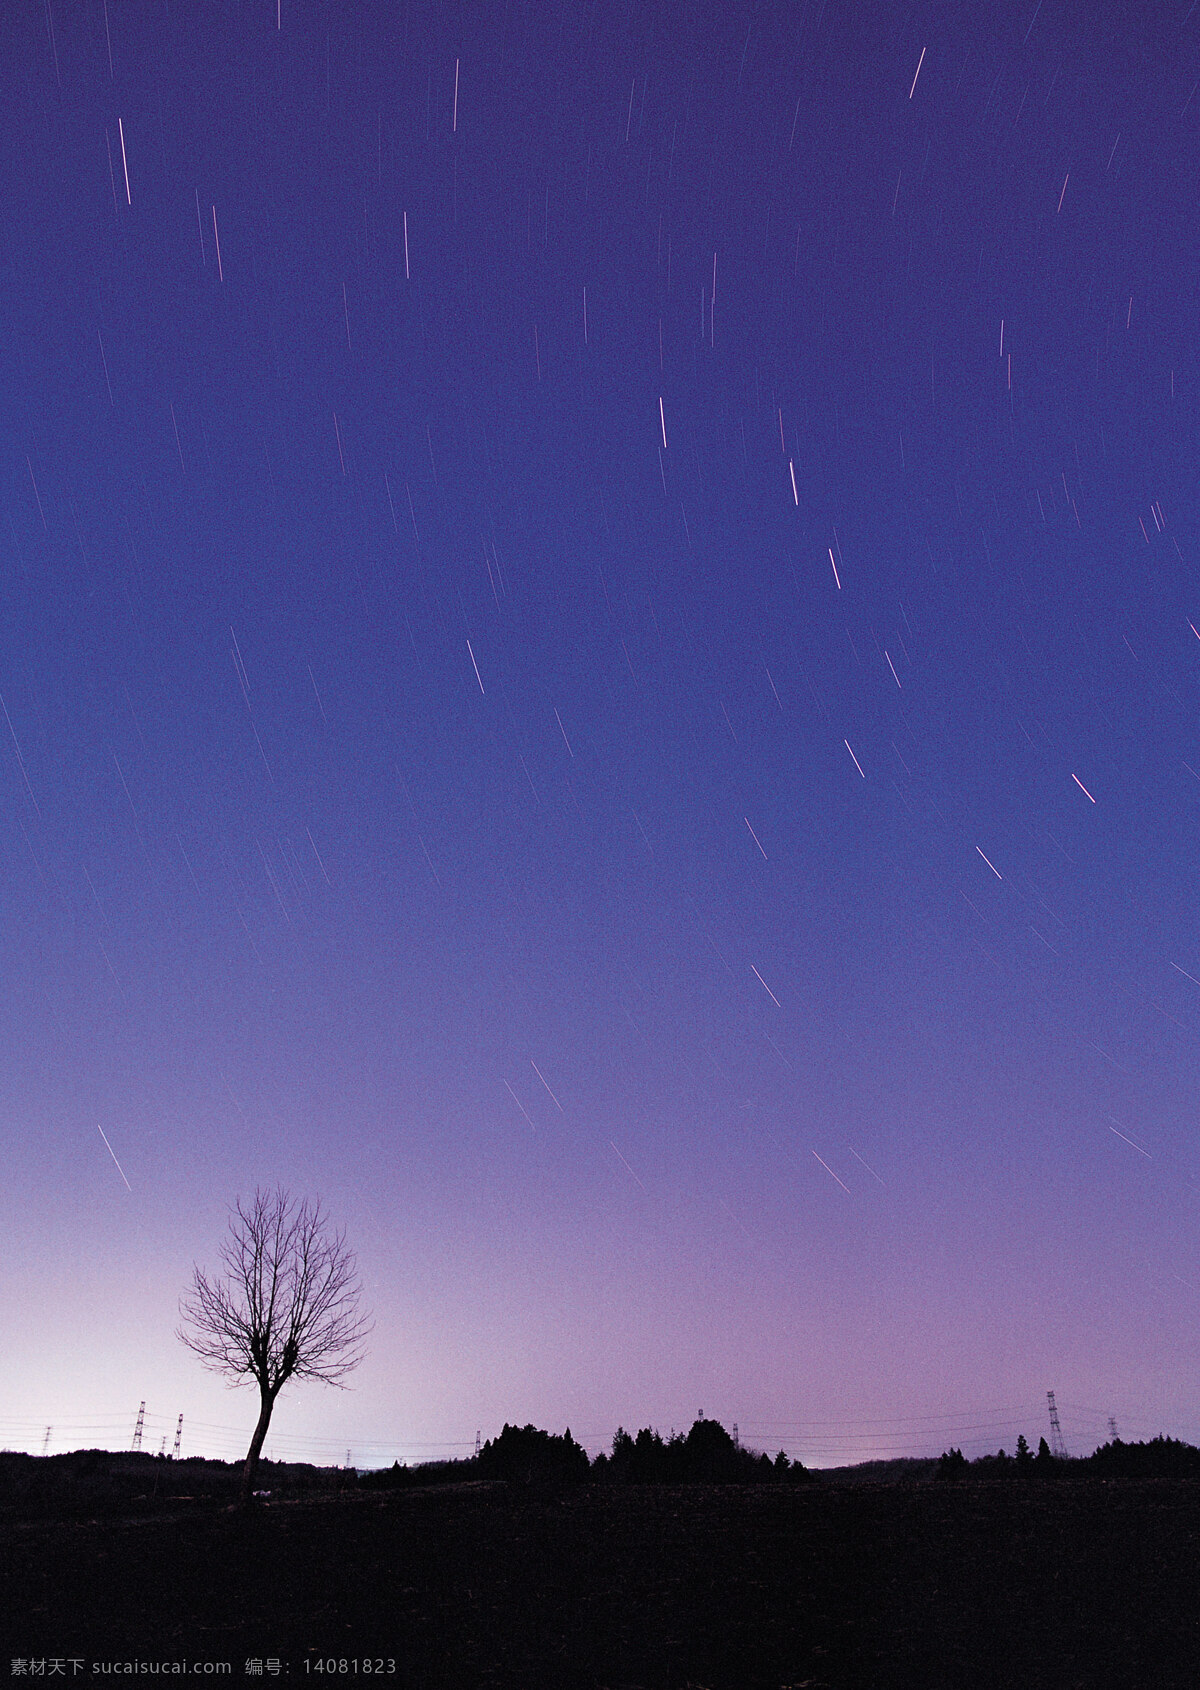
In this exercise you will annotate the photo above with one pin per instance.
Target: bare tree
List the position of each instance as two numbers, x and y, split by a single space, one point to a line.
285 1306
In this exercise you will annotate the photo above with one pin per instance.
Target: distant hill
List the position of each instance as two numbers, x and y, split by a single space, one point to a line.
880 1472
104 1481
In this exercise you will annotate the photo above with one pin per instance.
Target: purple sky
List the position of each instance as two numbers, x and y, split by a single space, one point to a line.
598 667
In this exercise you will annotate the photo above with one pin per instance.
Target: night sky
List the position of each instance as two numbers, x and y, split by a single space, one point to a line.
599 665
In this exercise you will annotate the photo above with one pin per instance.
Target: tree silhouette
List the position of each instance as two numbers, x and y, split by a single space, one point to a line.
285 1307
705 1455
527 1454
953 1464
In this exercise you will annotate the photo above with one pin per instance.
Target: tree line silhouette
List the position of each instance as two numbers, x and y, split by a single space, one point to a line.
1160 1458
83 1480
707 1455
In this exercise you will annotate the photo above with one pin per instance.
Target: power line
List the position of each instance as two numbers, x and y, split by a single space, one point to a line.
918 1436
905 1419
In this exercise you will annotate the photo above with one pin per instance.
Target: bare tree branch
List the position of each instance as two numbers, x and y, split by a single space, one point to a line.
285 1307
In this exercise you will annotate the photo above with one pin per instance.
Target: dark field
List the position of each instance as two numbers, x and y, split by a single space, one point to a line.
732 1588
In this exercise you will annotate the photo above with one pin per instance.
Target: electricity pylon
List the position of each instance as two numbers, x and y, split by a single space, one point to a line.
1057 1446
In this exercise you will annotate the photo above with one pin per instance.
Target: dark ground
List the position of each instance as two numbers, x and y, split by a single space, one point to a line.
1006 1585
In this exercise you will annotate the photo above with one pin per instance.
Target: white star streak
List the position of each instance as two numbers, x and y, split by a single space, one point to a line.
754 835
832 1175
1133 1146
113 1154
317 855
765 987
991 864
917 73
545 1082
519 1104
836 576
626 1166
124 166
857 764
20 759
475 666
1082 787
866 1165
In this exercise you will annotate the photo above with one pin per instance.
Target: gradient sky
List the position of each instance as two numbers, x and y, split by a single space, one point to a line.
599 665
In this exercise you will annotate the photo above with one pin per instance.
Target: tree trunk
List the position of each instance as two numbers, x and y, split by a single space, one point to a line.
256 1443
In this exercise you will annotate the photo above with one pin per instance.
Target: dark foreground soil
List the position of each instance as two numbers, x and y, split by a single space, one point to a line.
1079 1587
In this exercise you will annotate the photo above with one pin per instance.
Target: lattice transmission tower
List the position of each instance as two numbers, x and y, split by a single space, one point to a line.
137 1430
1057 1446
178 1437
